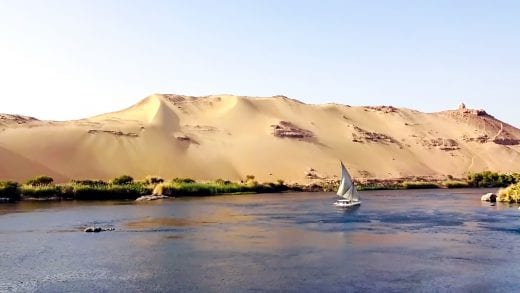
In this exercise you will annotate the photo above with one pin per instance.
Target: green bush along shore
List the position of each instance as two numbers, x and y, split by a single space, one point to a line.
125 187
510 194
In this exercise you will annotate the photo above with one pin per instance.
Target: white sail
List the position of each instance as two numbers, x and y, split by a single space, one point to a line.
347 189
345 183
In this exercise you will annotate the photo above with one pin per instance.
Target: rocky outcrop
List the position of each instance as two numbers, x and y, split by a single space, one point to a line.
113 132
16 119
310 173
384 109
479 139
184 138
176 99
93 229
361 136
491 197
201 128
151 197
285 129
506 141
444 144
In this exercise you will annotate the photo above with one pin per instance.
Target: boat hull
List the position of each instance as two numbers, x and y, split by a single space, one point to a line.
347 204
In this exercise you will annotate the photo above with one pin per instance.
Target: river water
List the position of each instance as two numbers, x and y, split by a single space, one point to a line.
397 241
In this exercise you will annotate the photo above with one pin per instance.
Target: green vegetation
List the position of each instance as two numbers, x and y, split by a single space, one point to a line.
109 191
183 180
379 186
510 194
10 191
125 187
492 179
153 180
41 191
123 180
40 181
189 187
481 179
89 182
419 185
456 184
399 185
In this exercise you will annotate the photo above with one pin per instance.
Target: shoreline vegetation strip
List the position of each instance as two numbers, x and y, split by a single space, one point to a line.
125 187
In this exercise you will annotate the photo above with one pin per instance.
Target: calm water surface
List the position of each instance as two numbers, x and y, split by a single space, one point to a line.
397 241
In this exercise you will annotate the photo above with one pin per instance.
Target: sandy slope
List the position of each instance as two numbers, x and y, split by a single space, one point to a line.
230 137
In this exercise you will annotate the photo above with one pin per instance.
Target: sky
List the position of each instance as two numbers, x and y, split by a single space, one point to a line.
73 59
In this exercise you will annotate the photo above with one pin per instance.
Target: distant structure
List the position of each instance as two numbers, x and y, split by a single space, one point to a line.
462 106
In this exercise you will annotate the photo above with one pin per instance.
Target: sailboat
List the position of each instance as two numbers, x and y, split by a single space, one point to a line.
347 190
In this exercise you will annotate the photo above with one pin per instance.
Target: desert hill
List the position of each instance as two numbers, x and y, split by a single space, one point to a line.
229 137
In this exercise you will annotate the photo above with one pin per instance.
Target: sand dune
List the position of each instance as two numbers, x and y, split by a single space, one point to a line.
273 138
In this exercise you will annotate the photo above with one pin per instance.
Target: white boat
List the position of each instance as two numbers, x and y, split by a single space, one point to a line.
347 190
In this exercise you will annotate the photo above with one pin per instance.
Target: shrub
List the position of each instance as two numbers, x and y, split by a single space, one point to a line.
10 190
40 180
456 184
492 179
222 181
379 186
197 189
153 180
250 177
419 185
41 191
89 182
183 180
122 180
510 194
251 183
104 192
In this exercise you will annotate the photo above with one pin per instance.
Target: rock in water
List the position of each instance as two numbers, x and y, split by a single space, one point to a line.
491 197
97 229
90 230
151 197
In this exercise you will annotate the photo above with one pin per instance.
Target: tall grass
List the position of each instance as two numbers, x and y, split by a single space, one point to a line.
187 188
182 188
86 191
124 187
379 186
419 185
41 191
110 191
456 184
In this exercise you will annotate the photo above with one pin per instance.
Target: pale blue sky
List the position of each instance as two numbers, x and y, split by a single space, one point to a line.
72 59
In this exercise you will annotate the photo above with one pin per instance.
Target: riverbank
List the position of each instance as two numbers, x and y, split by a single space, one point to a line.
125 187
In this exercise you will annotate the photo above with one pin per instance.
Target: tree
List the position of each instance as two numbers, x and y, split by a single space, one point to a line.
40 180
123 180
10 190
